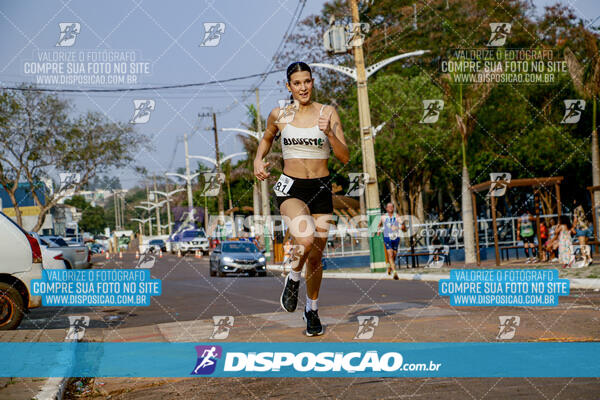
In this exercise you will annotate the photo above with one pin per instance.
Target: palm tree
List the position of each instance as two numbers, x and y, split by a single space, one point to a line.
586 79
467 105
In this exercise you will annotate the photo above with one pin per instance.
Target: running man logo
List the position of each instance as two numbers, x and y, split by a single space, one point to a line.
222 326
212 34
508 327
212 183
500 181
207 359
573 110
77 325
366 327
68 33
142 110
355 34
437 256
431 111
146 261
358 182
287 111
296 251
68 181
500 31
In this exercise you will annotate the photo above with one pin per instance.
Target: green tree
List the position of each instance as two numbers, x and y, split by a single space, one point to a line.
37 137
407 152
92 218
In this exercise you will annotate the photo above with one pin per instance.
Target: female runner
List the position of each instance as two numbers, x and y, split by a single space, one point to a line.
303 191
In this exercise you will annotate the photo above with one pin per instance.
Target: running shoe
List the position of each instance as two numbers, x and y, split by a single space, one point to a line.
289 296
395 276
313 323
389 269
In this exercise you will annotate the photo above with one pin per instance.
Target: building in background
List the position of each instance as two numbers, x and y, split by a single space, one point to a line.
96 197
29 210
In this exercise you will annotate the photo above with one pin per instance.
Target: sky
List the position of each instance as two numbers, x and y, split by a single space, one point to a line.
165 39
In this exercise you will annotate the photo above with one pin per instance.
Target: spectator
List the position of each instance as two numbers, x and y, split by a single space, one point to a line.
551 245
526 233
565 244
437 247
583 230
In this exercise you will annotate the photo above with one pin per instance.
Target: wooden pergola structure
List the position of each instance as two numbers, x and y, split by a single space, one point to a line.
537 184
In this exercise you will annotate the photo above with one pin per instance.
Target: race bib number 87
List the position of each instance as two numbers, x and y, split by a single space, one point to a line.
283 185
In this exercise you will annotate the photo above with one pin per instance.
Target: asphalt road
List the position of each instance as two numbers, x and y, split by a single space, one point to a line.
190 293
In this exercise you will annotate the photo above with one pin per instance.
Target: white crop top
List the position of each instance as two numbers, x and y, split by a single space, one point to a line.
304 142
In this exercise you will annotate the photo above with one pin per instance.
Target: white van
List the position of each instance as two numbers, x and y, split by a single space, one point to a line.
20 262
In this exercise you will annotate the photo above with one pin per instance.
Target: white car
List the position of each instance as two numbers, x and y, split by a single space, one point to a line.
190 241
76 256
51 258
20 262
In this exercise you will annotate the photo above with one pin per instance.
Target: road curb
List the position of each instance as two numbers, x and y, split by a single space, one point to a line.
53 389
574 283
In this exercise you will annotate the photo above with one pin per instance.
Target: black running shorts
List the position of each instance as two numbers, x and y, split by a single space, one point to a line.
528 239
315 193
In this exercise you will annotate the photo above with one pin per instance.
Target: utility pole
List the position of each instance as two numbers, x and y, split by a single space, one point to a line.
115 207
148 200
218 158
167 189
122 210
189 183
372 189
158 230
264 190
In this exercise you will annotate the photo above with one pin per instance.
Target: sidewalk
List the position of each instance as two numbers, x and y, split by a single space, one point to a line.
435 274
419 321
30 388
575 319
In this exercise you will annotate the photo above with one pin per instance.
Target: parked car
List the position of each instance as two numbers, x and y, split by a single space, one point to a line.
190 241
102 240
155 245
51 257
20 263
123 242
77 257
235 257
97 248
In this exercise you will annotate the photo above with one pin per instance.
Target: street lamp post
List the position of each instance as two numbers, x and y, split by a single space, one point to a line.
168 200
217 164
360 74
147 209
188 178
141 223
255 187
156 205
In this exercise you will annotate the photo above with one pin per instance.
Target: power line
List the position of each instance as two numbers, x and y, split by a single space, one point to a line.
184 85
288 31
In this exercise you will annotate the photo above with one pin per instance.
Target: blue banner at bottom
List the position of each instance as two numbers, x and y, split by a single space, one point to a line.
235 359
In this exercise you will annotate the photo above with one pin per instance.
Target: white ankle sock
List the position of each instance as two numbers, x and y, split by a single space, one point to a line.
295 275
311 304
